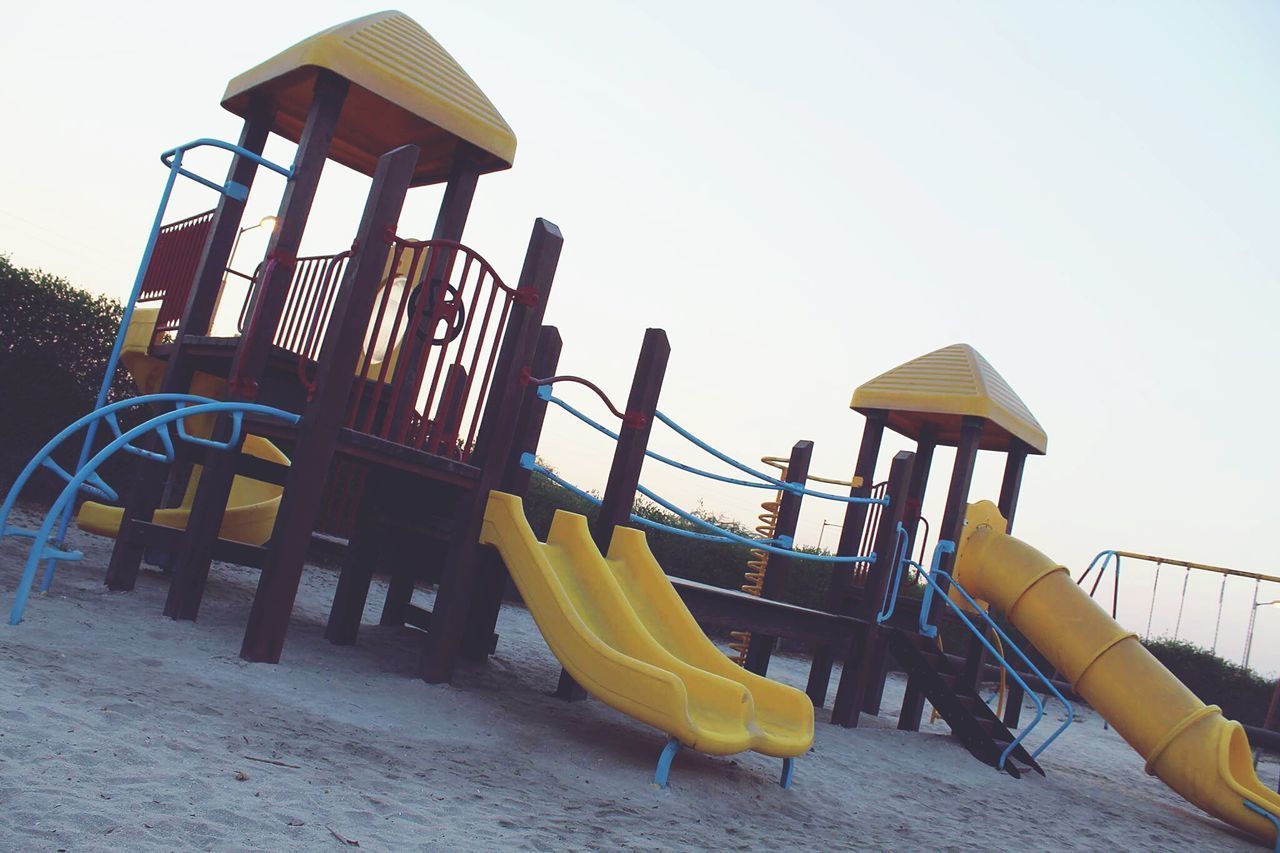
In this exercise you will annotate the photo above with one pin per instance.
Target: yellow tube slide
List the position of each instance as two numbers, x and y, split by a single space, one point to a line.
252 504
588 620
1190 746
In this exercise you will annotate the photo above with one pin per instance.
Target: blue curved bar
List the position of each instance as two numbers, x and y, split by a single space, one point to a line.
44 545
106 412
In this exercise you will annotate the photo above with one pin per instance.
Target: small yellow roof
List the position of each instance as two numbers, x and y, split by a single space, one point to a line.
941 388
405 88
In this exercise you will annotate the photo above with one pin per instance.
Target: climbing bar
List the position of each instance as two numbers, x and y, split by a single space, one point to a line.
746 540
528 462
161 432
946 546
544 393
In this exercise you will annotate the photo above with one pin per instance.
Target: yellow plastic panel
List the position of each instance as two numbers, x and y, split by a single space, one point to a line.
941 388
251 506
405 88
784 714
1189 745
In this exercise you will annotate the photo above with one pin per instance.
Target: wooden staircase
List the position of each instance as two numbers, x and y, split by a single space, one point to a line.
971 721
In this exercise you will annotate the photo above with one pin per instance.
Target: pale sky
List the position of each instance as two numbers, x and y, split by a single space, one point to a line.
803 195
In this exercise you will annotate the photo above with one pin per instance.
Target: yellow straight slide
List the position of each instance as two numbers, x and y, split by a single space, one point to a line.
625 644
784 714
1190 746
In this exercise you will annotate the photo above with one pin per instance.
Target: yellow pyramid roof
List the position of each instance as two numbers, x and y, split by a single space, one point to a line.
405 88
941 388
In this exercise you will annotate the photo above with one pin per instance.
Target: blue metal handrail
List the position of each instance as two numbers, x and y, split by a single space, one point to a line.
780 545
44 546
527 462
768 481
762 545
946 546
901 557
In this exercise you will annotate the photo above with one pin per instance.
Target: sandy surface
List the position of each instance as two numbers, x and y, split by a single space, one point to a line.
124 729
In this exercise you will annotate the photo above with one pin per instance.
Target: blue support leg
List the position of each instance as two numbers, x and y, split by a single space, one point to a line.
664 762
1254 807
788 773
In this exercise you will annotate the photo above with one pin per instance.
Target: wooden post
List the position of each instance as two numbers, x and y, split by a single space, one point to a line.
855 517
492 580
1010 487
760 648
951 527
145 492
493 447
628 459
191 562
862 661
450 222
925 445
318 432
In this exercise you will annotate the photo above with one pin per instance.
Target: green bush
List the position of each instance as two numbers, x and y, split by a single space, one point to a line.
54 343
1241 693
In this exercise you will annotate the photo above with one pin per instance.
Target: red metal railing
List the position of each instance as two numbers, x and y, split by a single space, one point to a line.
172 269
307 309
431 348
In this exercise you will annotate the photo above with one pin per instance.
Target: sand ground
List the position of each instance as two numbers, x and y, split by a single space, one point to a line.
124 729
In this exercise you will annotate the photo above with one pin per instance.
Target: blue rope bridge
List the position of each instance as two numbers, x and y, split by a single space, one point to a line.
783 545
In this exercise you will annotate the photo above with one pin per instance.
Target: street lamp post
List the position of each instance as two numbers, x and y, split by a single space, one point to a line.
266 220
825 525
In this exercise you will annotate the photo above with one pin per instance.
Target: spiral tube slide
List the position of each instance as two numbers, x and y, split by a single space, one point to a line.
1189 745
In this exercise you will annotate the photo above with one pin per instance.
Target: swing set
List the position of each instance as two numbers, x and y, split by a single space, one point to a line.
1105 559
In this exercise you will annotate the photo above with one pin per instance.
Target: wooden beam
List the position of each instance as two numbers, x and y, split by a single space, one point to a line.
760 648
492 580
191 563
453 604
628 459
855 518
145 492
450 222
951 527
319 428
862 661
1010 487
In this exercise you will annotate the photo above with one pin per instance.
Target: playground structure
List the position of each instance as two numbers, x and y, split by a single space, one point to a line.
402 357
413 364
